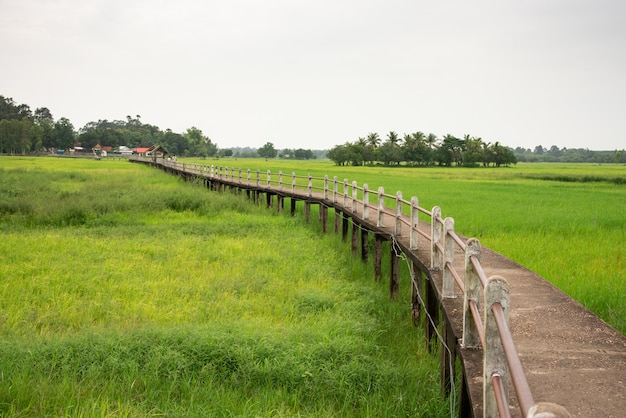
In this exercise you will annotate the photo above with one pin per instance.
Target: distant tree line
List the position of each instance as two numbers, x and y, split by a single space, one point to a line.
23 131
419 149
268 150
568 155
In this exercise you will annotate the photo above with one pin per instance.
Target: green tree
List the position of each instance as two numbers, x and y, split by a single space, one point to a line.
473 151
339 154
267 151
200 144
16 135
64 134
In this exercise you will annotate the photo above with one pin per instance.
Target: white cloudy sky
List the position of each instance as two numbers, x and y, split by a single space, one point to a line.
317 73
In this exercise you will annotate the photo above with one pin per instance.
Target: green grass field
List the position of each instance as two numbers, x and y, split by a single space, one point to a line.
127 292
566 222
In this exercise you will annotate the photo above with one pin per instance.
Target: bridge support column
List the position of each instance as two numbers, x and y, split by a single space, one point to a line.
365 243
293 206
355 237
394 275
280 202
416 293
447 356
344 227
324 217
432 311
337 220
378 257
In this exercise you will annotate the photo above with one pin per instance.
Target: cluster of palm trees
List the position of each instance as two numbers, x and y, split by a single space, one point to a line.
421 149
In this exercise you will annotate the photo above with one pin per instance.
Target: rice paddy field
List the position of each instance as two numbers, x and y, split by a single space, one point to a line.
127 292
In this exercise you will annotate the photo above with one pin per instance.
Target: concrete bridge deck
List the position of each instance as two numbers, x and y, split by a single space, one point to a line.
569 355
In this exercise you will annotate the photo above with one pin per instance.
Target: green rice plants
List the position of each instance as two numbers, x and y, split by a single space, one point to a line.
214 307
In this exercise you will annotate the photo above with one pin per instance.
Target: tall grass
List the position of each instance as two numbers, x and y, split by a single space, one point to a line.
126 292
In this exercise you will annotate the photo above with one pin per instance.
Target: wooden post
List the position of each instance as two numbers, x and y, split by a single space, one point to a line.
378 257
496 292
432 310
414 221
416 293
472 292
435 234
344 227
447 358
337 220
293 206
394 276
398 226
279 203
307 210
448 254
364 245
324 217
355 237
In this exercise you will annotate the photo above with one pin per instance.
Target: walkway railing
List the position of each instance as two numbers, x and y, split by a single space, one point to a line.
489 330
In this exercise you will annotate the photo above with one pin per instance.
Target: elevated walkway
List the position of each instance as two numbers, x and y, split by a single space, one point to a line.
569 356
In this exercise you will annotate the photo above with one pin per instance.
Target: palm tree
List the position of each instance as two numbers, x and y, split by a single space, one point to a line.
373 142
393 138
373 139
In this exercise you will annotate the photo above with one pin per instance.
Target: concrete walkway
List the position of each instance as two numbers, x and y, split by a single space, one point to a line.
570 357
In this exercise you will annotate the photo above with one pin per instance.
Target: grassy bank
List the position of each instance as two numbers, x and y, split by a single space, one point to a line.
126 292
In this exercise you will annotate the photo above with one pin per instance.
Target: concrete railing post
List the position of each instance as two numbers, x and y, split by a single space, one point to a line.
310 186
280 180
435 238
471 338
258 178
326 187
345 193
398 226
269 181
414 220
547 410
494 362
335 190
293 181
448 258
366 202
248 177
381 207
354 196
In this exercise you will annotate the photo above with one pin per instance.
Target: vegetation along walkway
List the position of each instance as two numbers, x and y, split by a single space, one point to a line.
525 348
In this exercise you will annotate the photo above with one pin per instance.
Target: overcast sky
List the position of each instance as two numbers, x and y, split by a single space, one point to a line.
317 73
